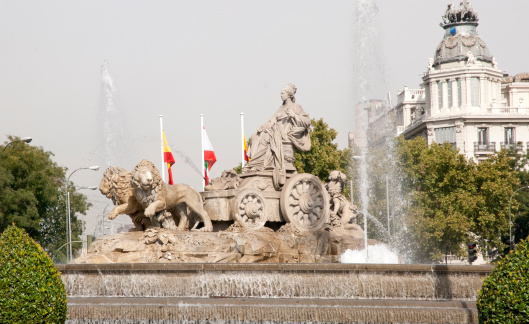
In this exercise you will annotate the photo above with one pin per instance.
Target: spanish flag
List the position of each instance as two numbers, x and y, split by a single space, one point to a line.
168 158
246 158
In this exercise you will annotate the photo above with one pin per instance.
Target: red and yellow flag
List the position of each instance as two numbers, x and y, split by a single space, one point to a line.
168 158
246 158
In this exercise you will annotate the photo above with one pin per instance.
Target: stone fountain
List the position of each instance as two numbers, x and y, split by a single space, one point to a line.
260 247
269 213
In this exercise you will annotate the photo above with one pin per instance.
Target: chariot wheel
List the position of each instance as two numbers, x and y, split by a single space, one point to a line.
305 202
248 208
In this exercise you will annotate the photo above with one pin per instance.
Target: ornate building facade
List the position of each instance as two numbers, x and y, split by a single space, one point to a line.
465 99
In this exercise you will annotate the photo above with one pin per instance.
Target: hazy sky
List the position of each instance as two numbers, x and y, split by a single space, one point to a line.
219 58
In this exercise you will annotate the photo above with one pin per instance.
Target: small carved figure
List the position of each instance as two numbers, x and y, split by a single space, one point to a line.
419 112
471 60
273 146
341 207
494 63
116 185
228 180
430 65
155 196
450 15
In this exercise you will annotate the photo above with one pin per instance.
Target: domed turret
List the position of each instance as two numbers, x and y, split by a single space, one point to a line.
461 40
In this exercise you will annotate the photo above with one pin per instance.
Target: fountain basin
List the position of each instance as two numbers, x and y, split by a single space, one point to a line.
276 293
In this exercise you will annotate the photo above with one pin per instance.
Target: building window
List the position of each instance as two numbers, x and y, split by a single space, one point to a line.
474 92
459 92
445 134
509 135
440 93
483 135
450 102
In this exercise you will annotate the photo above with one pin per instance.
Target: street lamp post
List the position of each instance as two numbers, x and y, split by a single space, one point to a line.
25 140
69 227
69 219
510 222
103 221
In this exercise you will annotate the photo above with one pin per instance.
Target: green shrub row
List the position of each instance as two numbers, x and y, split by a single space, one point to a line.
31 289
504 297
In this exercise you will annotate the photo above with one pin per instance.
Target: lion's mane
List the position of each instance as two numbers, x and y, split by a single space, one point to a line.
146 197
119 181
118 185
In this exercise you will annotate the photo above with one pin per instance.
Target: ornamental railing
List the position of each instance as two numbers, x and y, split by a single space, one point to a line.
508 110
484 147
512 146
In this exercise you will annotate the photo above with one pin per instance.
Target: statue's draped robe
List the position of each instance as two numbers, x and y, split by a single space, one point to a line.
266 147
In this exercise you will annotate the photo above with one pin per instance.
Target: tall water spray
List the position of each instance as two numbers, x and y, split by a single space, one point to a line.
369 82
109 119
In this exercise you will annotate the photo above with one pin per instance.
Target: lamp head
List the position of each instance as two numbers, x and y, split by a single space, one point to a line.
95 168
27 139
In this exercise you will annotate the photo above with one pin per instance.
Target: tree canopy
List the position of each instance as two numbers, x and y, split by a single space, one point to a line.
33 196
454 200
324 155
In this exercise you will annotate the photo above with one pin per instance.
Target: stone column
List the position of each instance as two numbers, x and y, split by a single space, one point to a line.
468 97
454 93
498 91
482 93
444 86
432 98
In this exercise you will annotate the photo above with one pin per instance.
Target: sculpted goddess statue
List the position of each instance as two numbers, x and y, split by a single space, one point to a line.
273 146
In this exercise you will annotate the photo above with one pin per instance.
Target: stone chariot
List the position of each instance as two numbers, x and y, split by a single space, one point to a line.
302 201
270 189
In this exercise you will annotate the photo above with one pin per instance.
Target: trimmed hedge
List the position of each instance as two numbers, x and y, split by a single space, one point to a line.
31 289
504 297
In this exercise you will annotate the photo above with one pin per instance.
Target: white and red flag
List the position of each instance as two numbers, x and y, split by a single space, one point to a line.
209 155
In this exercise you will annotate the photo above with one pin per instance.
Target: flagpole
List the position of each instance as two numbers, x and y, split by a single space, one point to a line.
242 140
202 150
162 170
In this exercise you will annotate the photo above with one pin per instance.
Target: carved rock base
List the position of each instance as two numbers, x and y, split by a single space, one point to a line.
232 246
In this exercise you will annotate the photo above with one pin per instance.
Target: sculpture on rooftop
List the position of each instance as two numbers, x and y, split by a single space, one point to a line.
430 65
465 13
273 147
471 60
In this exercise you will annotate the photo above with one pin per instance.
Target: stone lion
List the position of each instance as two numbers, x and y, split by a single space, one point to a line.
117 185
155 196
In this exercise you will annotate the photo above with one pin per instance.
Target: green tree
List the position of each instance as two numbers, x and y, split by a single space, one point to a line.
519 163
324 155
33 196
453 200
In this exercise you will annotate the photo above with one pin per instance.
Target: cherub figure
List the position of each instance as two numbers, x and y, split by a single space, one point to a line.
471 60
341 208
430 65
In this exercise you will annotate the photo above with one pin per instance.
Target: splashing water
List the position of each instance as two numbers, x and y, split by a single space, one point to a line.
379 253
367 63
187 160
109 118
